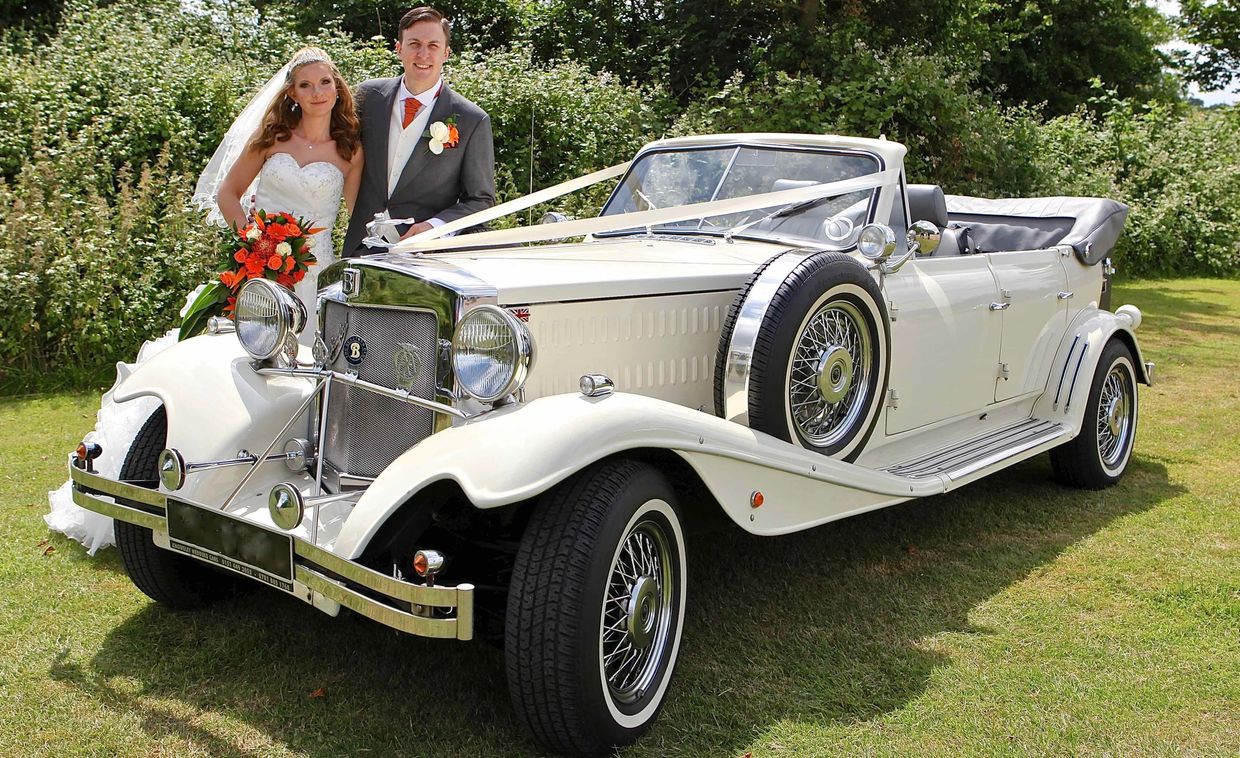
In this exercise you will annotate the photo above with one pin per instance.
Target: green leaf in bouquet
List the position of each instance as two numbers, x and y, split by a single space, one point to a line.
210 302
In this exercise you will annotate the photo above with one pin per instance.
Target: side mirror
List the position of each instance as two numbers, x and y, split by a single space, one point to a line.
923 237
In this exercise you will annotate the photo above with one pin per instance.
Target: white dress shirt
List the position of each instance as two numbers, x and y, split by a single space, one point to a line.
402 141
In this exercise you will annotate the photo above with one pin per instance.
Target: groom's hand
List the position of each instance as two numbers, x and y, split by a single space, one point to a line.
417 228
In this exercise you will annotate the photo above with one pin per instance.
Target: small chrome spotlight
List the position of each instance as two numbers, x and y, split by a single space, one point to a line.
286 506
596 385
172 469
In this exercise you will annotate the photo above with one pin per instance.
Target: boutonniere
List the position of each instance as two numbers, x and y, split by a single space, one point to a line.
443 134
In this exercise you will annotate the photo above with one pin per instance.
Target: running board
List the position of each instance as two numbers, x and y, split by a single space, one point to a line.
972 455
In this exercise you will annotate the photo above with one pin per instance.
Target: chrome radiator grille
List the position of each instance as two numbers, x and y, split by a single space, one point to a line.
365 431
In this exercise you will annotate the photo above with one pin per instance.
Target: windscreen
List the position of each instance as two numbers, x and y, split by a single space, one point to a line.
665 179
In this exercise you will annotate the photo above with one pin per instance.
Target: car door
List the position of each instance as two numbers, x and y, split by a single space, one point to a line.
1033 305
945 339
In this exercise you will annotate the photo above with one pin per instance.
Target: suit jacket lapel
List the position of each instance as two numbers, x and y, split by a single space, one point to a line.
381 122
422 151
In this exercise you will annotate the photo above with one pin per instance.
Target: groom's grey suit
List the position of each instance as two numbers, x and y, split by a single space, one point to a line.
457 182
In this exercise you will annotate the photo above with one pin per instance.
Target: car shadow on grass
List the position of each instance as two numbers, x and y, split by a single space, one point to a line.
823 626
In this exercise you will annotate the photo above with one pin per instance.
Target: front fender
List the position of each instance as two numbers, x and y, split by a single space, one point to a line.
519 452
1072 373
216 405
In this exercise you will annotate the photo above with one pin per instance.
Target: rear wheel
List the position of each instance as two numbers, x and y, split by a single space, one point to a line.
165 577
596 607
1098 456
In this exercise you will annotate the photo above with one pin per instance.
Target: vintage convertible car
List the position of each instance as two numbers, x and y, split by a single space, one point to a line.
508 440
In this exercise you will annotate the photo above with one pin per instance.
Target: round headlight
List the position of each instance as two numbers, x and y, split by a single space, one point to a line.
267 314
876 241
491 353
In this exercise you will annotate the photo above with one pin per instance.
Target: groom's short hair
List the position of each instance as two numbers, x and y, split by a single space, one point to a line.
424 13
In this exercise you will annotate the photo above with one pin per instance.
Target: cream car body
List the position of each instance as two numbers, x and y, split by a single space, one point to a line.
923 370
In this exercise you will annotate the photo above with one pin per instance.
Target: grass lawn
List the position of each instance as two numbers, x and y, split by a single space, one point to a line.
1011 617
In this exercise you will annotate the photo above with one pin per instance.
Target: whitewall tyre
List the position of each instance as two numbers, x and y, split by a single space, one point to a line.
596 608
1099 455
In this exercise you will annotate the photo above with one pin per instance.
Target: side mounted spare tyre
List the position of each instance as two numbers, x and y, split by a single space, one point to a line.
803 354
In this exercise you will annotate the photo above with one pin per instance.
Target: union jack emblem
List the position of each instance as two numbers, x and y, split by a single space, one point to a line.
522 314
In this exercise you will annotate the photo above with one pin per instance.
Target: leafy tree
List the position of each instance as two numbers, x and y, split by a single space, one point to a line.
1053 49
1215 25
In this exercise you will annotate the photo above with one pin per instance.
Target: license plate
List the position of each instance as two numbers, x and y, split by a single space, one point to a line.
237 545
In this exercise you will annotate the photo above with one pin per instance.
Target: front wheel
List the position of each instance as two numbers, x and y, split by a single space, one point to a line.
1098 456
166 577
596 607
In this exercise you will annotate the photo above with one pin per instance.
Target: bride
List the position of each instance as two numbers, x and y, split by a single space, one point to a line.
303 156
295 148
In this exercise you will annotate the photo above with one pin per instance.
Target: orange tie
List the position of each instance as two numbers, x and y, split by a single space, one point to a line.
412 104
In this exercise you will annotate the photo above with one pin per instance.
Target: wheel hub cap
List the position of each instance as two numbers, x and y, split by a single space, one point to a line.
643 611
1117 412
835 370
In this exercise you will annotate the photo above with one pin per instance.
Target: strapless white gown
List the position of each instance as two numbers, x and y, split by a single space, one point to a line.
312 192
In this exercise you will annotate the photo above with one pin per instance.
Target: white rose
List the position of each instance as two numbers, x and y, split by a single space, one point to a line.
436 146
284 248
439 131
253 235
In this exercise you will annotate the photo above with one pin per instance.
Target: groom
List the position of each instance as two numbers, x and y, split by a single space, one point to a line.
402 175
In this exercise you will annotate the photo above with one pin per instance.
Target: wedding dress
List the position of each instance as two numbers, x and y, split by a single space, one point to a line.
312 192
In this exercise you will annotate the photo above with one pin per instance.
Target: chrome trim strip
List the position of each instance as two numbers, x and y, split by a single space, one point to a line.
745 333
1072 387
1063 374
974 454
459 597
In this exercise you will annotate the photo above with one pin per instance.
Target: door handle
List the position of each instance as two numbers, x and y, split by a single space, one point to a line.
1065 295
1000 306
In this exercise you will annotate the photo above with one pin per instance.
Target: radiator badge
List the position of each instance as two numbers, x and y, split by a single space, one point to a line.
408 363
354 350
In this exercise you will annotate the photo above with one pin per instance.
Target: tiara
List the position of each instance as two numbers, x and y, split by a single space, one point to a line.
302 59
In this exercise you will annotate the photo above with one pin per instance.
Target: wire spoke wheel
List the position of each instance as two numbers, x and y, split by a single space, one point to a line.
637 612
830 371
1114 420
1099 454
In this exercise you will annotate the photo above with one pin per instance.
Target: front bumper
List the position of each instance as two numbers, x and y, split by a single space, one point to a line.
310 573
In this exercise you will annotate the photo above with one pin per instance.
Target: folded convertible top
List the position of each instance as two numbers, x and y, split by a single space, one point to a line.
1090 225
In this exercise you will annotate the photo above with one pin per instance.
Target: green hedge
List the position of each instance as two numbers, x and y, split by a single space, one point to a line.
105 126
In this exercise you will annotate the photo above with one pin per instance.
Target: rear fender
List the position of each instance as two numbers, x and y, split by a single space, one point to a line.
1072 373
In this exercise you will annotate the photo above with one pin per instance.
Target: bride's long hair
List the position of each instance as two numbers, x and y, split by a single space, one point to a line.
283 114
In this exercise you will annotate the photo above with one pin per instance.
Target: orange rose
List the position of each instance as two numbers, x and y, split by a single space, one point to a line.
289 262
274 262
240 255
453 136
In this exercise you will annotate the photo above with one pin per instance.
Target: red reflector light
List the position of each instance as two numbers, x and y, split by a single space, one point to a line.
756 499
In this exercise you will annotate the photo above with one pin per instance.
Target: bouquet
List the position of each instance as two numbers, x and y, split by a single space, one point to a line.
273 246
